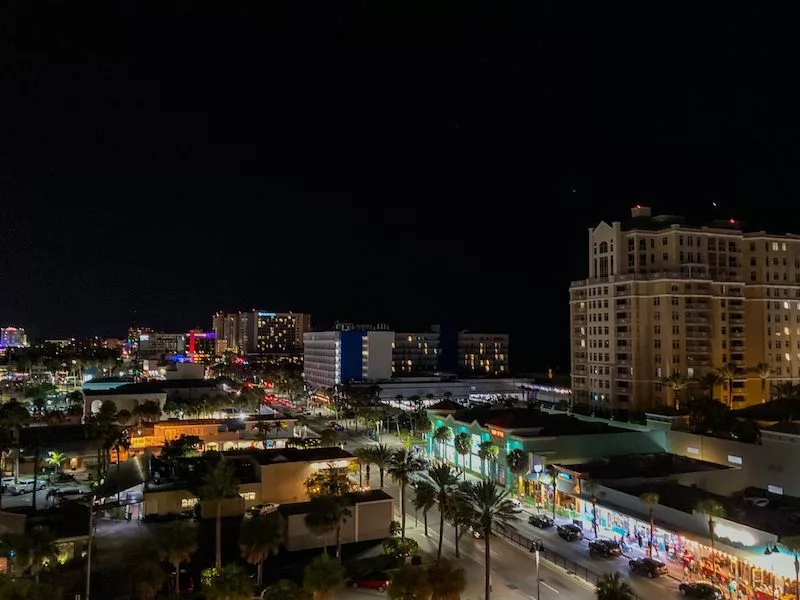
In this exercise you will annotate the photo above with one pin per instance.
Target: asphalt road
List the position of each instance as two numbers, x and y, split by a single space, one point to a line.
514 564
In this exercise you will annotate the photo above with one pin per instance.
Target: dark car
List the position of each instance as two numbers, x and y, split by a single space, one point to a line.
370 581
570 532
540 521
701 589
649 567
607 548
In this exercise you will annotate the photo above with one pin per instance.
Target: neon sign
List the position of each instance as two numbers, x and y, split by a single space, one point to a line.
497 433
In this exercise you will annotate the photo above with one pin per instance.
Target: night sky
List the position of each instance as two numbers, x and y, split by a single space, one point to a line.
400 162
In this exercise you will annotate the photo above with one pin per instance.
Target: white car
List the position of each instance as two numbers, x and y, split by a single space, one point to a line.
260 510
517 504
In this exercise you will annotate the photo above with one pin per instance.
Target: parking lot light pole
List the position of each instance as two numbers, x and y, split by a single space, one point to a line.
89 550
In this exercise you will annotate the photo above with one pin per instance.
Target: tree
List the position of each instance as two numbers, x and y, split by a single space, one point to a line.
285 589
176 544
785 389
727 373
409 582
125 418
259 538
713 510
424 500
148 411
56 459
381 458
611 586
14 417
218 484
228 583
185 445
708 382
322 518
401 469
462 443
552 478
488 452
322 576
651 499
447 581
517 462
148 577
364 459
441 436
460 515
764 373
677 382
444 481
590 487
490 507
32 550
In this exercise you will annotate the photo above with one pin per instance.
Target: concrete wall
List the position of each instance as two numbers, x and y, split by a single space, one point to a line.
378 362
370 521
165 503
231 507
773 463
282 483
92 403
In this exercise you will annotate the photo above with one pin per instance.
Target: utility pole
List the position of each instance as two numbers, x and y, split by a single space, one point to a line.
89 550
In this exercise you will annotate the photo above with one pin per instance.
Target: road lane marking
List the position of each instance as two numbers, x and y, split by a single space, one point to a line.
549 587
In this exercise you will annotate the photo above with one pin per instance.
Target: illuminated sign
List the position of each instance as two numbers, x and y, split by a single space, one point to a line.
734 534
497 433
266 314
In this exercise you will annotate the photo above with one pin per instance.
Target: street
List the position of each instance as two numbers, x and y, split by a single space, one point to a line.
514 566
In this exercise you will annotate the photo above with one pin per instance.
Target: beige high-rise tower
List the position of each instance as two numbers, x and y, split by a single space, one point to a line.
665 298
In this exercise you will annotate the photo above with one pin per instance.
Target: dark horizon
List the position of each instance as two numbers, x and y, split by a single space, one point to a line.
406 164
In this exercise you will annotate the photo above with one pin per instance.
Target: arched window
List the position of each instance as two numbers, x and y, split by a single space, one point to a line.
603 247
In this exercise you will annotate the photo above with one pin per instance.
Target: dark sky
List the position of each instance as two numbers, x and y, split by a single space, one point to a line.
406 162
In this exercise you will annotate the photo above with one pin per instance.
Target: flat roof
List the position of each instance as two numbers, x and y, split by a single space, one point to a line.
283 455
628 466
780 517
538 423
301 508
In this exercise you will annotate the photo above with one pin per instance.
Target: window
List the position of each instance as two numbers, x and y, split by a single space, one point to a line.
692 450
248 495
734 460
188 502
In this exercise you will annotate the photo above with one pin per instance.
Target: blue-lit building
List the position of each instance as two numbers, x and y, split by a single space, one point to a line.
334 357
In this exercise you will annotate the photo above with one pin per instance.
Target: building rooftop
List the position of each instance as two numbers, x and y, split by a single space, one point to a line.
283 455
188 473
780 517
632 466
446 405
536 422
68 520
152 387
301 508
58 437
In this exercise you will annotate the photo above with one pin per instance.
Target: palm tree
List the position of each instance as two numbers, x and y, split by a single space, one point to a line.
651 499
381 458
517 462
424 500
590 487
56 459
444 481
713 510
125 418
447 581
488 452
176 544
409 582
491 507
441 436
364 460
552 479
611 586
259 538
462 443
402 467
764 372
322 576
727 373
219 484
708 382
326 515
677 382
31 550
459 514
14 417
229 583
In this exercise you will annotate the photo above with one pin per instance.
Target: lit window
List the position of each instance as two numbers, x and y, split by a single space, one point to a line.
692 450
734 460
188 502
248 495
774 489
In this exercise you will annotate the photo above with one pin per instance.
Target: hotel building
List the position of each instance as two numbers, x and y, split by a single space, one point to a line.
261 332
334 357
664 297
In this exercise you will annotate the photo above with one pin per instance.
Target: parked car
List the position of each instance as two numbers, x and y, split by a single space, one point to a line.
649 567
701 589
260 510
24 486
370 581
570 532
603 547
541 521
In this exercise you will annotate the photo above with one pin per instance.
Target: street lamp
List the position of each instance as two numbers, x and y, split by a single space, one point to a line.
774 550
536 547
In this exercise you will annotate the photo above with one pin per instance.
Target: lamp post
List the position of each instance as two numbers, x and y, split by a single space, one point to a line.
89 549
536 547
774 550
537 468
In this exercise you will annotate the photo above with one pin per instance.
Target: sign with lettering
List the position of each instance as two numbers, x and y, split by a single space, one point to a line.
497 433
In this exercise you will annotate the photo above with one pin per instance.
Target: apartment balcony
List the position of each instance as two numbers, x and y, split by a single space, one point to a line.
623 321
692 319
736 335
